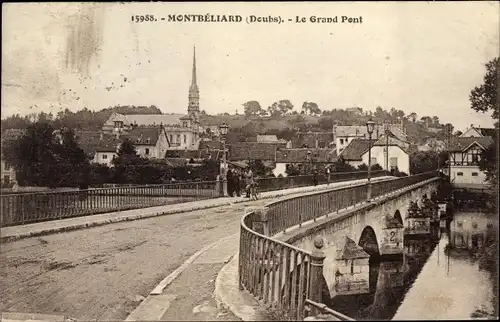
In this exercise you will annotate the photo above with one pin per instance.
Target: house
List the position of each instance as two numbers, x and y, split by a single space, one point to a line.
285 157
254 151
344 134
353 269
397 150
473 131
313 140
465 153
353 152
266 138
7 170
150 142
433 144
182 130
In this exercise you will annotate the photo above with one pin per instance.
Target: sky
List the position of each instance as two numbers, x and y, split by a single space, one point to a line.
417 56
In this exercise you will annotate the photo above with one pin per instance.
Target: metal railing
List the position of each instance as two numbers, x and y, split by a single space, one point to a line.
271 184
325 309
281 276
268 269
24 208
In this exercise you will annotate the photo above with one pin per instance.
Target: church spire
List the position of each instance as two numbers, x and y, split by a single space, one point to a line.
193 76
194 93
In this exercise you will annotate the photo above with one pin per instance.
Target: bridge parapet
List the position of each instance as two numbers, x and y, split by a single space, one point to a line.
278 274
25 208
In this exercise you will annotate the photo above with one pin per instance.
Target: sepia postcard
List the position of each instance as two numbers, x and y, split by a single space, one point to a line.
249 161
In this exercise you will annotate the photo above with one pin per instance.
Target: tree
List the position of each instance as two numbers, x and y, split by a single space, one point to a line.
427 120
72 165
126 163
484 98
326 123
364 167
280 108
413 116
258 168
311 108
425 161
488 164
32 156
252 108
435 121
292 170
342 166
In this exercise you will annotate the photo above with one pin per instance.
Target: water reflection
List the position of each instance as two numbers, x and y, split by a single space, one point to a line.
434 279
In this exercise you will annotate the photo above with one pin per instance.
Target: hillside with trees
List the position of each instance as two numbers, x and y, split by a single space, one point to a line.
81 120
281 118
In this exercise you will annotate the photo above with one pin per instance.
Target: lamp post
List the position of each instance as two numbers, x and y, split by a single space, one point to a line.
370 125
386 131
223 128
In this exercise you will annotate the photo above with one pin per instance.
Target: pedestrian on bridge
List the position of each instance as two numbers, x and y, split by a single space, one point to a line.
230 183
249 182
238 181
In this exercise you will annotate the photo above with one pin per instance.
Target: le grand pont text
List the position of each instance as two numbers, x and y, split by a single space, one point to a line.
195 18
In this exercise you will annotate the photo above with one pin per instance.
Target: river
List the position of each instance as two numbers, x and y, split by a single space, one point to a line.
441 281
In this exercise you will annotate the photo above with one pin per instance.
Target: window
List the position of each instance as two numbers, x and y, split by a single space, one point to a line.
6 166
146 150
178 138
341 141
393 162
184 124
475 174
352 266
118 124
185 139
460 174
104 156
6 179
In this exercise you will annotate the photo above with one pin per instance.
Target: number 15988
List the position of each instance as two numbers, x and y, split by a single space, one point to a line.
143 18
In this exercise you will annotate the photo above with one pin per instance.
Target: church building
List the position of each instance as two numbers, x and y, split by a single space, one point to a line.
182 130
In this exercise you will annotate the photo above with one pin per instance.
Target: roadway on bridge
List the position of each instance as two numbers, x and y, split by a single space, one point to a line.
105 272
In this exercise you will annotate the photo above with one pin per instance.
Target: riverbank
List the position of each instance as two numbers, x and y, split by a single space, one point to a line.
488 260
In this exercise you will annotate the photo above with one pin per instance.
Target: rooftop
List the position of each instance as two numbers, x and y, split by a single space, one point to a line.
254 151
352 251
355 150
301 155
150 119
463 143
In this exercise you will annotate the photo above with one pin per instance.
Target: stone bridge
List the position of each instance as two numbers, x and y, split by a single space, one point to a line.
354 236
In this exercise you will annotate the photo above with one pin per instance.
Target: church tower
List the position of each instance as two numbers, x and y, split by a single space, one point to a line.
194 93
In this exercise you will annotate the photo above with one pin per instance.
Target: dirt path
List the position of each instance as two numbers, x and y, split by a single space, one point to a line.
103 273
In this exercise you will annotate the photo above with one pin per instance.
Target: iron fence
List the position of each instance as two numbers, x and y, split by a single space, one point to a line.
271 184
281 276
276 273
24 208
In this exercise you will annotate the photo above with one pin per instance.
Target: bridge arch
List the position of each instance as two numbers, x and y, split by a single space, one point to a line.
368 240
